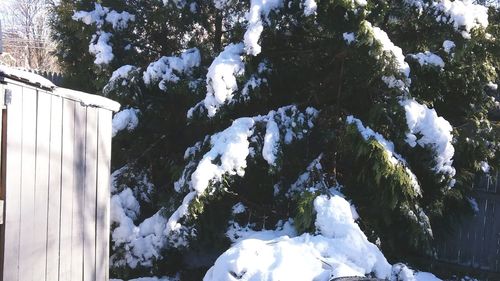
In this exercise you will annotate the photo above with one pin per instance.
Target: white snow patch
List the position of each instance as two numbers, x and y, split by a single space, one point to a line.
349 37
387 46
332 253
361 3
310 7
125 119
101 14
401 272
122 72
448 46
258 9
119 20
464 15
473 204
25 75
253 83
238 208
492 86
396 52
167 69
101 48
485 167
435 132
221 4
428 58
237 233
143 242
93 17
271 139
221 77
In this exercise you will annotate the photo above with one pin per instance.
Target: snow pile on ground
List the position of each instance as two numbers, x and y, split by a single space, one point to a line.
401 272
339 249
167 69
237 233
125 119
427 58
395 158
221 77
258 9
433 131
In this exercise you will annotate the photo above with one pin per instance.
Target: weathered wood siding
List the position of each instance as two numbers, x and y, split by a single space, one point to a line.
476 242
56 189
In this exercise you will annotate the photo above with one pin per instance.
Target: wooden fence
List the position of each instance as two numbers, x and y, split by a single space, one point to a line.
476 243
54 77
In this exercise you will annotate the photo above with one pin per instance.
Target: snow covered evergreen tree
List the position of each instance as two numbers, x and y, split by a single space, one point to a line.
340 123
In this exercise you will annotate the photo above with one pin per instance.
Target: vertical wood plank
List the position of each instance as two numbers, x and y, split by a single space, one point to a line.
89 249
54 207
78 193
491 235
13 184
27 256
68 134
3 141
477 223
495 262
481 221
103 195
42 184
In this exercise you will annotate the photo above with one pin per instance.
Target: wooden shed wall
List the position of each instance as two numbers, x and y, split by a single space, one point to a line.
56 188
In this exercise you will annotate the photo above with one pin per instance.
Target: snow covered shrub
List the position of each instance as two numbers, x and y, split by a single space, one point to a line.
287 139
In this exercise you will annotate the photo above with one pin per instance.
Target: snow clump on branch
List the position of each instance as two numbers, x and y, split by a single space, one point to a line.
434 131
167 69
230 149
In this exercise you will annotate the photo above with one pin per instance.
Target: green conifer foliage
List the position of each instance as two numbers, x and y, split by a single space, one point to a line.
280 134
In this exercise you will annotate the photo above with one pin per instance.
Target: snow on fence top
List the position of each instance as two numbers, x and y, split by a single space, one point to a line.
39 81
